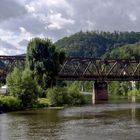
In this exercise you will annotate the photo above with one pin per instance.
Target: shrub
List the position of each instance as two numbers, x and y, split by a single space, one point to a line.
22 85
75 97
42 102
62 95
57 96
134 93
9 103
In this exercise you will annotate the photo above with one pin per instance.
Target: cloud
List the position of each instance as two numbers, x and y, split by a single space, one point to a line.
9 43
30 9
10 9
56 21
22 20
132 17
45 6
7 48
23 42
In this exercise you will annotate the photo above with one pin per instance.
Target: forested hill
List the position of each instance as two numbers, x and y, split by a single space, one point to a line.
129 51
96 44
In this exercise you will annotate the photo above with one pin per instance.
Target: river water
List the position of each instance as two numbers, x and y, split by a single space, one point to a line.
108 121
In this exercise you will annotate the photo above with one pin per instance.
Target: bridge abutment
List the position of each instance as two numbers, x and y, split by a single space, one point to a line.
100 92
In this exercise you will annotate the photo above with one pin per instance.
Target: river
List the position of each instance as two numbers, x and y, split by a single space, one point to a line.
108 121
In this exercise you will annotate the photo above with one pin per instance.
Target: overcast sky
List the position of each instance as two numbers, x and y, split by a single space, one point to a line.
21 20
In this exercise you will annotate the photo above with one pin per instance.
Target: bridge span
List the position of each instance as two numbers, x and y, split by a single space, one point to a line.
94 69
86 69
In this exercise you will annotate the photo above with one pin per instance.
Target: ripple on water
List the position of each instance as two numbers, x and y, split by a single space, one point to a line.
99 122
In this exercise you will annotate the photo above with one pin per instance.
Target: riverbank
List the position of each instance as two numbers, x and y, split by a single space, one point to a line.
11 103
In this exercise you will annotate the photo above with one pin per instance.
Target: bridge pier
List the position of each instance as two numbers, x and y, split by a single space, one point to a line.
99 92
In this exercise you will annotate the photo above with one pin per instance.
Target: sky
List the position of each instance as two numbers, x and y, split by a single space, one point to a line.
22 20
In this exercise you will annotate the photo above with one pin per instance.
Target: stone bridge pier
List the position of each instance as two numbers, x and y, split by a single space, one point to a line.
100 92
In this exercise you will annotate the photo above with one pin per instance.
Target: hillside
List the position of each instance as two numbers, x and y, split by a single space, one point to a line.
129 51
96 44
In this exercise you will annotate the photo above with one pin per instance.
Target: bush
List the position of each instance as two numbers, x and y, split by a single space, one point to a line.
9 103
22 85
75 97
62 95
134 93
57 96
42 102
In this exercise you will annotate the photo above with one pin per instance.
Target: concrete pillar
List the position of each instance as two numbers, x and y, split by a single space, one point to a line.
99 92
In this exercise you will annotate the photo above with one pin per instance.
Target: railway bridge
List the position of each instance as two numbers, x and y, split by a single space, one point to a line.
86 69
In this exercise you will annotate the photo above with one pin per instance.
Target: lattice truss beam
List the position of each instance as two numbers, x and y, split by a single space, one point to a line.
7 64
98 69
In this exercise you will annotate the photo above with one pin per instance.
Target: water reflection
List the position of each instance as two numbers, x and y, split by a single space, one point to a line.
100 122
26 125
133 113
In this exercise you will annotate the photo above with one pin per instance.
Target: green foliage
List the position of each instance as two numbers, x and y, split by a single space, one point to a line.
61 96
42 102
134 92
125 52
22 85
81 85
9 103
13 81
75 97
57 96
118 88
96 44
44 59
29 89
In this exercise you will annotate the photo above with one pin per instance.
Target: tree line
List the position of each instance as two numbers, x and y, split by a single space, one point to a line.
95 43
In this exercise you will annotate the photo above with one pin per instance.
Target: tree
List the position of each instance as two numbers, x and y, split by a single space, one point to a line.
118 88
44 59
13 81
29 88
22 85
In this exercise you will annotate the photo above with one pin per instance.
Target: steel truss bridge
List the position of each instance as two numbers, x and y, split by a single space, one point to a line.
85 69
100 70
